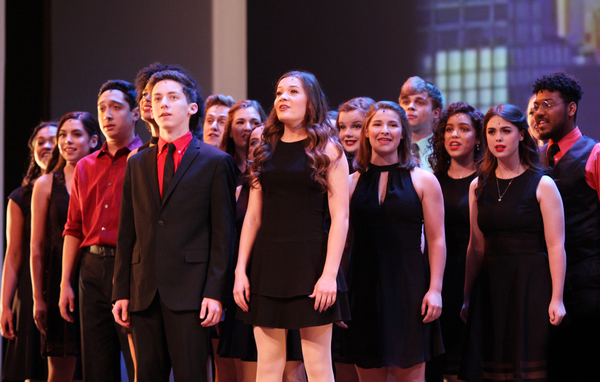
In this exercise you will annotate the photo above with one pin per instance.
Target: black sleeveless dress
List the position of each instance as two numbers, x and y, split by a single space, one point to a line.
22 358
237 337
389 275
291 246
62 337
508 326
457 228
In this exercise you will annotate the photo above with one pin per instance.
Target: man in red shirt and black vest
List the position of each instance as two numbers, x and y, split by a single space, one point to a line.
91 231
573 161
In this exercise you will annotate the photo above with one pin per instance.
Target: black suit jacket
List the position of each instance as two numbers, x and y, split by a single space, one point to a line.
181 247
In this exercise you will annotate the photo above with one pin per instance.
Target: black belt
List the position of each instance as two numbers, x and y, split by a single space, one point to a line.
101 250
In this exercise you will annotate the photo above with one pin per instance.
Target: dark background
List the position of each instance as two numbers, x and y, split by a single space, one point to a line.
58 54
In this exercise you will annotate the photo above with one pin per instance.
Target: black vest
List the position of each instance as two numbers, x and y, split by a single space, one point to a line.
581 204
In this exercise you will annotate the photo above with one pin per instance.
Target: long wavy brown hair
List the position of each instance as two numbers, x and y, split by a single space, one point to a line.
528 150
439 158
317 128
363 158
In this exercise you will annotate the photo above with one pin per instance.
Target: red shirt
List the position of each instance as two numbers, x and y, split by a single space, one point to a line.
96 190
592 166
181 144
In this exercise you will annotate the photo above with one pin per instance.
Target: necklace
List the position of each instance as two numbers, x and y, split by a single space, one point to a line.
506 189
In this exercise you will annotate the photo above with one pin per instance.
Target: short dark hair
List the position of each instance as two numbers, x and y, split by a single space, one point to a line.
567 85
190 89
416 84
218 99
123 86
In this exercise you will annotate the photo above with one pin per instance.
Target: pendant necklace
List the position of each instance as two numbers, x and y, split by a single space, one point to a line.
506 189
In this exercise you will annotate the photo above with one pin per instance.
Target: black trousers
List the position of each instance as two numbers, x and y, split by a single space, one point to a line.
102 338
164 338
575 344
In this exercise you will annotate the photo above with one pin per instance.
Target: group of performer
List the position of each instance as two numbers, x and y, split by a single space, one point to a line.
441 242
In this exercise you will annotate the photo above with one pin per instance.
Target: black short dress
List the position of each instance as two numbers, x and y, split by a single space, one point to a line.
291 246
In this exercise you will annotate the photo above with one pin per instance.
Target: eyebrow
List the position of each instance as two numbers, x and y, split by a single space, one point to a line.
109 102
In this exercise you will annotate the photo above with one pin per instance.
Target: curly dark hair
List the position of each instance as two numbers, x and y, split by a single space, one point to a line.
528 149
363 158
317 128
34 170
439 158
567 85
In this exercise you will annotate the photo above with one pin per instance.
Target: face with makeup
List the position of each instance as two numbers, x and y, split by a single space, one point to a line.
291 101
503 137
349 126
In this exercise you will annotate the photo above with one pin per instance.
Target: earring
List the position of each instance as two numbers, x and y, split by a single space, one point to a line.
477 147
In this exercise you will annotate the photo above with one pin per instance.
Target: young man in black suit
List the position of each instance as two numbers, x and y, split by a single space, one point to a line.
175 241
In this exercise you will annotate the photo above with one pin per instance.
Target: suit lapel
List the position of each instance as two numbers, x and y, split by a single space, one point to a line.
150 159
188 157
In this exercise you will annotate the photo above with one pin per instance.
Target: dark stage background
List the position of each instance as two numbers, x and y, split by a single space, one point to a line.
60 52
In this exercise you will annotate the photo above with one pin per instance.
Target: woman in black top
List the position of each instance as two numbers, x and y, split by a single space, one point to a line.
22 359
457 147
298 173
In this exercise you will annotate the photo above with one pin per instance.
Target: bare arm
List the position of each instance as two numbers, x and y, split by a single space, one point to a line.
554 230
338 183
428 188
70 258
252 223
12 266
474 251
40 200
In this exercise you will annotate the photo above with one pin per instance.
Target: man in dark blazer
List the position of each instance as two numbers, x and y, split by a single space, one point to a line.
175 242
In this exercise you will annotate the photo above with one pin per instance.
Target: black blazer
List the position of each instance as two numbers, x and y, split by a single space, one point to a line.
182 247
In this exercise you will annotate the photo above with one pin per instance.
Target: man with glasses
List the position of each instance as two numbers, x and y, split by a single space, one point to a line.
573 163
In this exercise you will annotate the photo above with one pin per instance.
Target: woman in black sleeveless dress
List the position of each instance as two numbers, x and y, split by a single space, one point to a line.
22 358
76 137
457 147
515 260
299 172
395 294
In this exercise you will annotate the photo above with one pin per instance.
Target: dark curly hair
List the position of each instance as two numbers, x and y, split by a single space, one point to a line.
227 143
528 149
567 85
363 158
34 170
439 158
317 128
